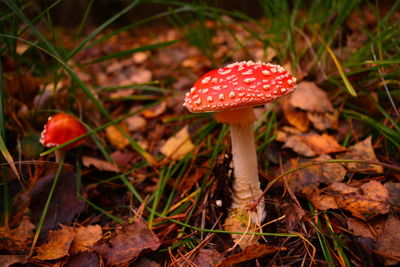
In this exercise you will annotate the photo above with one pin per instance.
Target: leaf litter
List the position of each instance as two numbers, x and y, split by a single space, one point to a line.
311 131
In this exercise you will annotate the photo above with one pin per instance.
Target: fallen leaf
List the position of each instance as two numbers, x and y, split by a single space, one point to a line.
136 123
324 120
201 257
364 202
155 111
295 117
8 260
331 172
322 200
17 240
293 214
360 228
240 221
116 138
127 243
362 151
394 193
99 164
85 238
143 262
310 145
389 241
308 96
177 146
86 259
249 253
58 244
64 206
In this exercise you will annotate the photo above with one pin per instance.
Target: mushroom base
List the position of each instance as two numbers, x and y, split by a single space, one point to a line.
246 186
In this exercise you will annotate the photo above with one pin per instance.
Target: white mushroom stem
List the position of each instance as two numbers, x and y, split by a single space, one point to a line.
246 185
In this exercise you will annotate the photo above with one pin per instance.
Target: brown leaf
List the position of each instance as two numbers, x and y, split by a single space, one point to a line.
127 243
324 120
85 238
394 193
64 206
17 240
201 257
116 138
136 123
177 146
362 151
365 202
99 164
310 145
84 259
322 200
308 96
249 253
8 260
155 111
389 241
296 118
360 228
58 244
306 180
240 221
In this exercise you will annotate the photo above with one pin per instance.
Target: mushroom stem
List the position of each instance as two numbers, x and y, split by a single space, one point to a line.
246 185
60 154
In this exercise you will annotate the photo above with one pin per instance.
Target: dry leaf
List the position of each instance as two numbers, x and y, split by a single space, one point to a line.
127 243
143 262
17 240
310 145
99 164
240 221
136 123
295 117
155 111
8 260
83 259
389 241
57 245
201 257
365 202
115 136
308 96
177 146
85 238
249 253
360 228
394 193
324 120
362 151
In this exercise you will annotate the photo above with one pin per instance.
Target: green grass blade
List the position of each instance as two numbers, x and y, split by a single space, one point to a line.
346 81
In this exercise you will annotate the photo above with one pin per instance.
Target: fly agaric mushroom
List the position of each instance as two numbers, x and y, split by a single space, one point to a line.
231 92
59 129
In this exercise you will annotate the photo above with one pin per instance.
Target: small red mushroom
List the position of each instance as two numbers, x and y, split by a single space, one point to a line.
231 91
59 129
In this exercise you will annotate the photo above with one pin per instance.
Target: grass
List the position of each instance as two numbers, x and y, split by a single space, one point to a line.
309 36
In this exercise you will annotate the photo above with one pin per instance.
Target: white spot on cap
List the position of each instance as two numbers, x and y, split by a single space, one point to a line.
266 73
221 97
273 70
209 98
294 79
283 90
224 72
206 80
192 89
214 80
289 82
232 94
198 102
216 88
266 86
249 80
204 91
248 72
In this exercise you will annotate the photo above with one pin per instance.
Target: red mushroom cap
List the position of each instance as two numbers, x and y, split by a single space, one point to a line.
239 85
61 128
